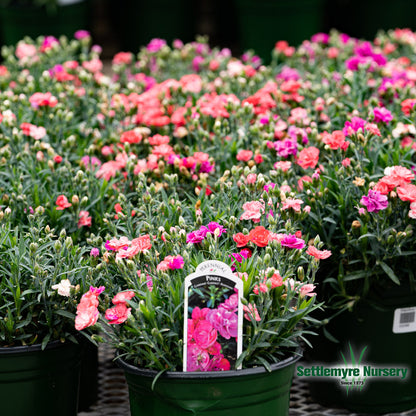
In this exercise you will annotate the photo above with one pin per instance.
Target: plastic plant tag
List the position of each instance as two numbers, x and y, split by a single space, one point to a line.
213 318
404 320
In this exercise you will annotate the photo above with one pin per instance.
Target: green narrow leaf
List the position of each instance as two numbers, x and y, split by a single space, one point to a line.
390 273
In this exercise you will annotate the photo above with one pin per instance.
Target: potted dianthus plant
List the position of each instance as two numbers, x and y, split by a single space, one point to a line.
362 201
42 278
33 18
154 244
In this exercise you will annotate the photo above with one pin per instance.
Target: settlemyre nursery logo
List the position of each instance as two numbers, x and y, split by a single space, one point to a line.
354 373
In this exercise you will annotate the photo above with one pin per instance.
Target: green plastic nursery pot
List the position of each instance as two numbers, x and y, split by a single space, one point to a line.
245 392
264 22
371 326
40 382
16 22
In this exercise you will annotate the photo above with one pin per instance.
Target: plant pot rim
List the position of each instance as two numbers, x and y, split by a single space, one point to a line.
19 349
132 369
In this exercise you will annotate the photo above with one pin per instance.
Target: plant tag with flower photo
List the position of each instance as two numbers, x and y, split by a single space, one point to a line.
213 324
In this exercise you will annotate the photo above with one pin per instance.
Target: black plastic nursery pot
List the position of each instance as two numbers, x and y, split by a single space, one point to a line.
40 382
368 331
245 392
264 22
88 383
348 16
16 22
138 22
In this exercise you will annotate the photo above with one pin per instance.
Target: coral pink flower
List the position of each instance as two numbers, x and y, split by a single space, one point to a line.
292 203
318 254
308 157
118 314
122 58
407 192
400 173
163 150
307 290
123 297
158 139
259 236
25 50
84 219
283 165
335 140
407 105
137 245
191 83
241 239
87 312
373 129
114 244
244 155
253 211
346 162
276 280
109 169
31 130
131 136
39 99
62 203
412 211
251 178
95 65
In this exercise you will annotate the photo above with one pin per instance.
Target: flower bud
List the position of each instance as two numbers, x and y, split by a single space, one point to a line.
301 273
68 243
33 247
267 259
58 246
130 265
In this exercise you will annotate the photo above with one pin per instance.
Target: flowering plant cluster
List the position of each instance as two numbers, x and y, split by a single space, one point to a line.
276 264
186 153
43 277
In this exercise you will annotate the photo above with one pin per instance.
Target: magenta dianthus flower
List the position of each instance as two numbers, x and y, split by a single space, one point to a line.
291 241
374 201
197 236
155 45
214 226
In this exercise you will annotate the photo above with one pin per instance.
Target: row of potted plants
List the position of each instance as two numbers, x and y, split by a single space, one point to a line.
115 188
